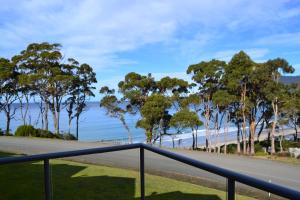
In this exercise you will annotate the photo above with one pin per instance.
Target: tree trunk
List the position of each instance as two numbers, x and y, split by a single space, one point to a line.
275 110
238 141
70 121
8 118
58 118
196 135
122 119
243 101
208 139
296 133
46 117
244 136
226 133
77 127
252 135
193 145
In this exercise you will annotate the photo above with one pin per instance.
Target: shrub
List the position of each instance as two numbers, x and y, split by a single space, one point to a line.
26 130
290 144
68 136
45 134
231 148
259 148
1 132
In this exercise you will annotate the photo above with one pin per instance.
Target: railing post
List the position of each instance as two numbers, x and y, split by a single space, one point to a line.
47 180
230 189
142 173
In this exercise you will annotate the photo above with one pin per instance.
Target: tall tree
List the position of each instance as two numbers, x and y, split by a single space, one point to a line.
8 90
185 119
114 108
152 112
274 90
223 101
291 108
193 103
237 74
207 75
40 62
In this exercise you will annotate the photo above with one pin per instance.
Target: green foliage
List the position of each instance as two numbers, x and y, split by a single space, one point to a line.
44 133
185 119
67 136
26 130
290 144
152 112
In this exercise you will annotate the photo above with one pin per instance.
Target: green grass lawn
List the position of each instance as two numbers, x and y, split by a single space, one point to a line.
72 180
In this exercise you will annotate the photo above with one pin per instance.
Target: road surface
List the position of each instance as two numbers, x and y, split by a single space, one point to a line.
282 173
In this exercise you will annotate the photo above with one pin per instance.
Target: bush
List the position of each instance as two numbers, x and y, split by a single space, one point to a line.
290 144
26 130
45 134
1 132
259 148
231 148
68 136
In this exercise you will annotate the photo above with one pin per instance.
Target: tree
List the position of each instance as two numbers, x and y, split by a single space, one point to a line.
153 110
136 89
291 108
193 103
223 101
83 87
40 63
113 108
237 78
274 90
8 90
207 75
185 119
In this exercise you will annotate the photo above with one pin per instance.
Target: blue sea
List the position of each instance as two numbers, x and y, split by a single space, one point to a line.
95 125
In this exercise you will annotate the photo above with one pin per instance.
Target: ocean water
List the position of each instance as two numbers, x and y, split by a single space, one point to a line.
95 125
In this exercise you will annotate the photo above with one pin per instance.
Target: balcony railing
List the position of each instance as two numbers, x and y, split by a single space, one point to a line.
231 176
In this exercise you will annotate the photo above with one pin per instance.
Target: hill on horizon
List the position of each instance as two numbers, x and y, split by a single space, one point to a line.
290 79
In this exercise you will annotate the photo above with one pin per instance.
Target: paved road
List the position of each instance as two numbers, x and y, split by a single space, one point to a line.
277 172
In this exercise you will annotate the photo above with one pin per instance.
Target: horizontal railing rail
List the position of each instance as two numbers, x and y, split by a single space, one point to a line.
231 176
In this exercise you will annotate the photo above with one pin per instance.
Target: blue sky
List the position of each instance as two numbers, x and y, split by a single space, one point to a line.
162 37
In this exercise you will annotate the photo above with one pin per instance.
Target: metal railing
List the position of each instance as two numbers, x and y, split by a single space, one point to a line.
231 176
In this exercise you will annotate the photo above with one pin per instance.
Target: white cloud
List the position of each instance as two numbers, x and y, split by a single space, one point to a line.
282 39
92 28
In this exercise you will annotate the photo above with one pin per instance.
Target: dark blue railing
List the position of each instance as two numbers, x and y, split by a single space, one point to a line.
231 176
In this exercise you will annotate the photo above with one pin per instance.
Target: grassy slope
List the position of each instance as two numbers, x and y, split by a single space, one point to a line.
73 180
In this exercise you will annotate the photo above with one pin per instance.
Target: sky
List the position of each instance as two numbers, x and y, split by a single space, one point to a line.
159 37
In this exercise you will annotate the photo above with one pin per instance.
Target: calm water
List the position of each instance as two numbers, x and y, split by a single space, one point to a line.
95 125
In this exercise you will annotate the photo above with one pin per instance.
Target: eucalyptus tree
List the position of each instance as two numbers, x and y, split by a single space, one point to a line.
79 90
153 110
40 62
207 75
274 90
83 86
291 108
185 119
113 107
237 77
193 103
176 90
25 93
224 106
8 90
135 89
